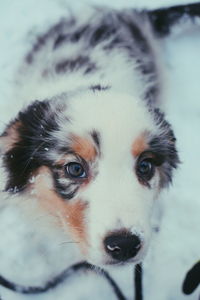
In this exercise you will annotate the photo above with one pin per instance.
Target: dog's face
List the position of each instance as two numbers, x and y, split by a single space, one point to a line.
96 161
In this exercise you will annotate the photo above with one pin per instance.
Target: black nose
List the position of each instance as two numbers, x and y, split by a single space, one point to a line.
122 246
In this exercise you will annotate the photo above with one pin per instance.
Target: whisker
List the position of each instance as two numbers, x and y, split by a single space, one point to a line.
32 154
68 242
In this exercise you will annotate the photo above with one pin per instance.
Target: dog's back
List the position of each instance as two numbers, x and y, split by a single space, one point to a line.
106 47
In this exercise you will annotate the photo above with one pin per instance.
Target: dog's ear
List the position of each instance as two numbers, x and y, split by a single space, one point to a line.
164 145
36 119
25 140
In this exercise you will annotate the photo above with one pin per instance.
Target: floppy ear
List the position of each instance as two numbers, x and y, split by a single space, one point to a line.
25 140
164 145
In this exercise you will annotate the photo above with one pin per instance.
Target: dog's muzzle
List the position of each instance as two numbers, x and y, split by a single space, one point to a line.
122 247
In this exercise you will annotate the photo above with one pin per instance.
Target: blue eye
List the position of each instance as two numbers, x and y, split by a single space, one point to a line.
75 170
146 169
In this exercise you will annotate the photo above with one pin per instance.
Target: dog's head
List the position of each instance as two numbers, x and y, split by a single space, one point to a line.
96 161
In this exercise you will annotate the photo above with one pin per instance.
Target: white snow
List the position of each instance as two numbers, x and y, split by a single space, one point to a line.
177 246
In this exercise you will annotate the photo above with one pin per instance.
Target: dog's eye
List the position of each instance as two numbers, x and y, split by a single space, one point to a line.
146 169
75 170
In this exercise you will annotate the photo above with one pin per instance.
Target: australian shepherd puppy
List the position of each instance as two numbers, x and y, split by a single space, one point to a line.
91 145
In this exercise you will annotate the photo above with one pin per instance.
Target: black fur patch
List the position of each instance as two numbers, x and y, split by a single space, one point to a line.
63 189
102 32
44 38
163 19
164 148
99 88
70 37
60 39
80 62
37 123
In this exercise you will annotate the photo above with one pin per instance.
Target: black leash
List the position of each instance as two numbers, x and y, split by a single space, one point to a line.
138 282
61 278
70 272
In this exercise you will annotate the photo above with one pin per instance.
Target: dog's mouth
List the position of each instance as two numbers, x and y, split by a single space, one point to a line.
110 262
122 263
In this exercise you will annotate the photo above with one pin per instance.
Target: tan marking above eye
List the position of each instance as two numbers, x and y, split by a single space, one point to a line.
61 162
139 145
11 136
69 214
84 148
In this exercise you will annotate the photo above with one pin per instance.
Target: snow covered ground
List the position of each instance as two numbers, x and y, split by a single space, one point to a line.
177 246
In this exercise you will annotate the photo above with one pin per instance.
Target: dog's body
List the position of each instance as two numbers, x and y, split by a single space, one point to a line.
93 151
104 47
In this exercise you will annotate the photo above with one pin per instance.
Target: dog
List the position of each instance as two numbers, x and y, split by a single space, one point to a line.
91 145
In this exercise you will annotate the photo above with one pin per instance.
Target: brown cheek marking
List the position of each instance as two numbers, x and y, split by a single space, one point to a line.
139 145
11 137
69 214
76 219
84 148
